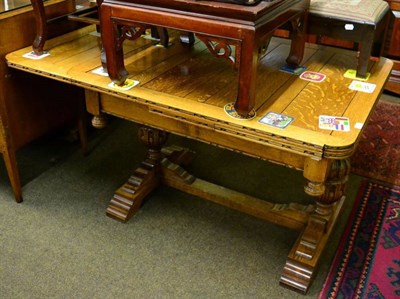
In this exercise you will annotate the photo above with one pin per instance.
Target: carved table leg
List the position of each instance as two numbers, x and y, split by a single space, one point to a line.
303 259
128 198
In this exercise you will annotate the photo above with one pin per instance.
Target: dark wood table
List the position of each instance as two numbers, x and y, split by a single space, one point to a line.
220 26
184 91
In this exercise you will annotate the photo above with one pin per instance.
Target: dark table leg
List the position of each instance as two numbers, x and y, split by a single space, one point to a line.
298 38
247 74
112 44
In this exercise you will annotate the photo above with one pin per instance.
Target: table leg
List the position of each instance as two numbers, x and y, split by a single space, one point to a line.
303 259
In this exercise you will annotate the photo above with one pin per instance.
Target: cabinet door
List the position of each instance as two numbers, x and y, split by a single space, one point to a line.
393 36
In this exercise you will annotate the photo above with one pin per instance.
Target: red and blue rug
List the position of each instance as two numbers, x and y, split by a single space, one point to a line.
367 263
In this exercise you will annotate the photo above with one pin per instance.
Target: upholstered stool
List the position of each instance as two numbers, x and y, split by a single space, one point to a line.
360 21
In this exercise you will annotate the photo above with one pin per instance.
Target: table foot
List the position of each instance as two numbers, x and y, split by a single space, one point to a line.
296 276
129 197
303 258
300 265
302 261
99 121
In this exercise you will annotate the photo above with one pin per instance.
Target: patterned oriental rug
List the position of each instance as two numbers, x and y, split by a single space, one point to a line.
378 153
367 262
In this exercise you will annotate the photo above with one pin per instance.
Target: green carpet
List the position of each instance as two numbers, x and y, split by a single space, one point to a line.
59 243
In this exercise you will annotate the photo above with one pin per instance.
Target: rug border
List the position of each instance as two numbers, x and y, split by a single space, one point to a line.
327 291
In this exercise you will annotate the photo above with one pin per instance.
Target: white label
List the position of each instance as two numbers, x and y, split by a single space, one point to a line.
349 27
358 126
100 71
32 55
362 86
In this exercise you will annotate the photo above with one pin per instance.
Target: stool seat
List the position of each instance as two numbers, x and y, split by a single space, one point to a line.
364 11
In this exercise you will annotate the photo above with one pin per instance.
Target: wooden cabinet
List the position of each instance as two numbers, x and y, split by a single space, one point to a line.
30 106
392 47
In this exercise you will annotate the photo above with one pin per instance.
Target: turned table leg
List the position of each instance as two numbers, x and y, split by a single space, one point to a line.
303 259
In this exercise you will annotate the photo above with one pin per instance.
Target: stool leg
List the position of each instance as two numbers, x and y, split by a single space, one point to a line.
365 53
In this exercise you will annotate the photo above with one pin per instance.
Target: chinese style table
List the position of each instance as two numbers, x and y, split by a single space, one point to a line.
220 26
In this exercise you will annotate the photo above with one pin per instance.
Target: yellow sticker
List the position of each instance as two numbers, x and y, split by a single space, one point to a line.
352 74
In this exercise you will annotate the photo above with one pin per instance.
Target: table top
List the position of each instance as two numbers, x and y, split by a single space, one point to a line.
192 85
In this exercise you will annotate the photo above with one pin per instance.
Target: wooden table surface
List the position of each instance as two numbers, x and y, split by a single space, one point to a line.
192 81
184 90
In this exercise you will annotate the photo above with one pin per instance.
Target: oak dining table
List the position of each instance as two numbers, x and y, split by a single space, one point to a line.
310 122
